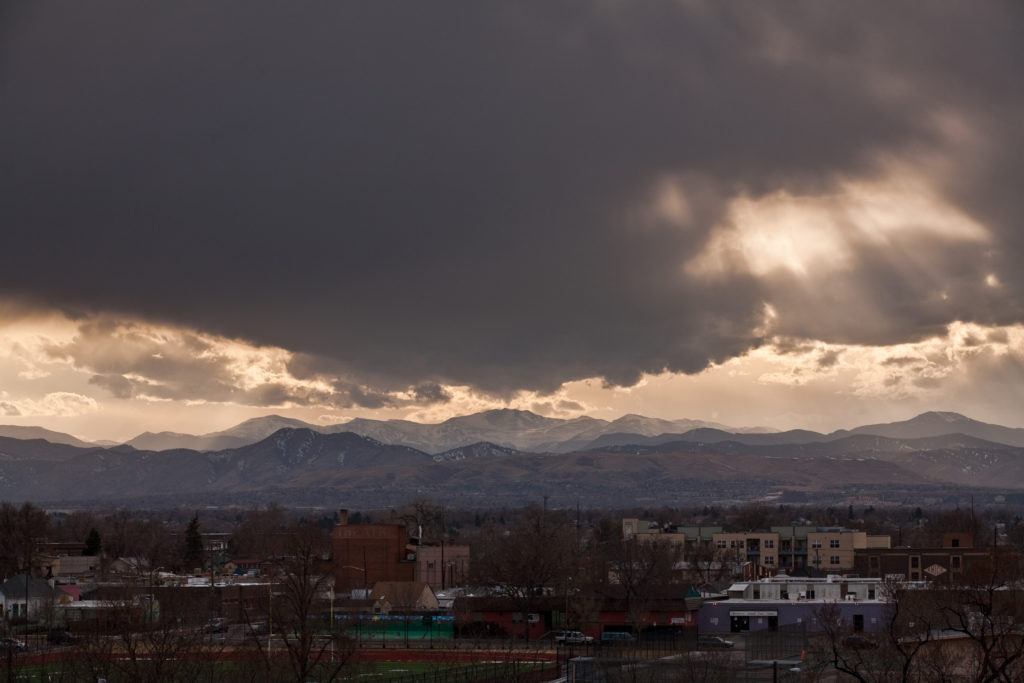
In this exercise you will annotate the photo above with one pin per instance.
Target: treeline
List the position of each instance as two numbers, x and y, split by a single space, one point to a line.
168 537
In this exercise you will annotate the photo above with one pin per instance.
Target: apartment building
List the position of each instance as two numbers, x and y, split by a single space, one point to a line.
795 549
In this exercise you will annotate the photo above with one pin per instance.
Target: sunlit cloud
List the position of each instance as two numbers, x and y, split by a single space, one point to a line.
56 404
817 234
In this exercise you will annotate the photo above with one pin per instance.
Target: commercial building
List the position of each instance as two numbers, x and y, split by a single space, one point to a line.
784 601
367 553
949 561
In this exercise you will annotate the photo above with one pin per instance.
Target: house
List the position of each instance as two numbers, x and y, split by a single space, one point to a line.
129 566
405 595
23 597
76 567
243 565
360 607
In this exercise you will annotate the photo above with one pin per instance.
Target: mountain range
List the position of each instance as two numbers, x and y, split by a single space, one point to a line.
934 456
517 429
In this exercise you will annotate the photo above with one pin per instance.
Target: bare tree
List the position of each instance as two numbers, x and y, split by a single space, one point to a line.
985 606
528 559
262 533
422 516
641 566
316 650
905 650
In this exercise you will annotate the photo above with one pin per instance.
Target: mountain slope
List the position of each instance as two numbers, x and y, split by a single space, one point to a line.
520 430
939 424
18 432
303 466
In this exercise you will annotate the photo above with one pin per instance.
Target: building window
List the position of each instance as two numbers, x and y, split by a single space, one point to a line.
769 559
833 543
720 544
833 559
810 593
915 562
873 562
816 544
757 593
956 543
955 562
769 543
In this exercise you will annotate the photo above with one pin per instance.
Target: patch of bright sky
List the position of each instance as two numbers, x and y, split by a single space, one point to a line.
786 384
811 234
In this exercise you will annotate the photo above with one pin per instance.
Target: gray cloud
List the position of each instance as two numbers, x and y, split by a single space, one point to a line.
457 193
118 385
829 358
431 393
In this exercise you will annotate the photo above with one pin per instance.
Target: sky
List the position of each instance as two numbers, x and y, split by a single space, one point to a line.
755 213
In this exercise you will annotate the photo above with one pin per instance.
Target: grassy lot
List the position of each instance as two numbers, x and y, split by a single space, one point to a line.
397 671
364 671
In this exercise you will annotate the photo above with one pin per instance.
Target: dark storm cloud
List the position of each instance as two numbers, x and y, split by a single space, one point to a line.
431 393
829 358
119 386
458 193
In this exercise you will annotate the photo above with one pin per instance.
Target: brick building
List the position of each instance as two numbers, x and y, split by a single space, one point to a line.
367 553
921 564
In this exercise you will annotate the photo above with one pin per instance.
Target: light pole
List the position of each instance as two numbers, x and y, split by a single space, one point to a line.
358 569
359 624
270 613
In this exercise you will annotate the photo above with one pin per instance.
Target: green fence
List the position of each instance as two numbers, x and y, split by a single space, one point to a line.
400 628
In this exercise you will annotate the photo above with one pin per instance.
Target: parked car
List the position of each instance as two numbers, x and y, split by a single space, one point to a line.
713 641
217 625
256 628
60 637
576 638
616 638
12 644
558 636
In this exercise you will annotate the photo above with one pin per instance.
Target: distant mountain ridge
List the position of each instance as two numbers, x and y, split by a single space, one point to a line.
516 429
524 431
931 424
300 466
19 432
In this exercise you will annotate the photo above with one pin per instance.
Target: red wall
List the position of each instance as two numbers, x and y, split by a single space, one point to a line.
367 553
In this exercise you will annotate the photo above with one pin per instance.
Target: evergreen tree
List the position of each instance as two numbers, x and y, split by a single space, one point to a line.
193 544
93 543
